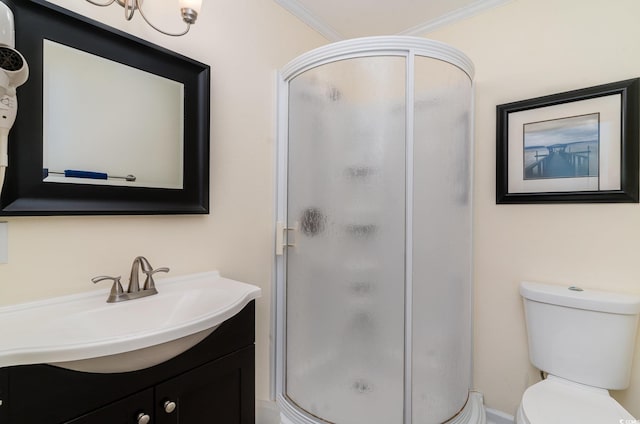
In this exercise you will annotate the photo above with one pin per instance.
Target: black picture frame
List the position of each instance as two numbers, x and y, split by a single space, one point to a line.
544 146
25 193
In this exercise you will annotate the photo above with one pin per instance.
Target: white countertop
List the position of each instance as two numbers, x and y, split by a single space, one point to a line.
84 326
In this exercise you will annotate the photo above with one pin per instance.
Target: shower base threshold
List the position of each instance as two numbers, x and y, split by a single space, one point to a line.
472 413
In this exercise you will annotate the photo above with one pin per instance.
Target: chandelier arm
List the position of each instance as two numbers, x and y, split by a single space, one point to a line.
130 8
101 4
158 29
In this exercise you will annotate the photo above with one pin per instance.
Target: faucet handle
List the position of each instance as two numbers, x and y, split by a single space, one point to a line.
149 284
116 288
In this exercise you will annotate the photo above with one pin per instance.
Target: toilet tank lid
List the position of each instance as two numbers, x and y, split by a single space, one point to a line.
573 297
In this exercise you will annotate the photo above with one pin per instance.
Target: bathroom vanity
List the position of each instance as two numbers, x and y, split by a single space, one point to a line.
211 382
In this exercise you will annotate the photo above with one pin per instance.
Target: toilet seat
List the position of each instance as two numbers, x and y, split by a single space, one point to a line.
559 401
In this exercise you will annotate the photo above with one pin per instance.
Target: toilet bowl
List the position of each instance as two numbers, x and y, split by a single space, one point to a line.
559 401
584 341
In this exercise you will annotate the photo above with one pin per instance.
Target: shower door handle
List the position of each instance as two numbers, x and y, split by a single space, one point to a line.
281 234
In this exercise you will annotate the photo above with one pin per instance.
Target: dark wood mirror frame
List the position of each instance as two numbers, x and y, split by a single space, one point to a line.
24 191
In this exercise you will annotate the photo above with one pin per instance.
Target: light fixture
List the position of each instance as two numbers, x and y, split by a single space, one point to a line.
188 8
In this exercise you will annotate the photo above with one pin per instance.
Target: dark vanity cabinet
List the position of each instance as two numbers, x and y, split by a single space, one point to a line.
213 382
133 409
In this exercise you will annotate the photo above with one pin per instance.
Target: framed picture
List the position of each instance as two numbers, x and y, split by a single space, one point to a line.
575 147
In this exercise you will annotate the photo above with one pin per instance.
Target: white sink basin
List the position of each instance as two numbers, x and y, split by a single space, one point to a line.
85 333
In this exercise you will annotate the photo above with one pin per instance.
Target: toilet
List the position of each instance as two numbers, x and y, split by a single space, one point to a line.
584 341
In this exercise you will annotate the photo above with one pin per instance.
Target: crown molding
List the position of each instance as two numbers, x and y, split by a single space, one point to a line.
331 34
465 12
310 19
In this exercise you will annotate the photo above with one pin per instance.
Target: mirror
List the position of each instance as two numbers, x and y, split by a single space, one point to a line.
81 137
107 123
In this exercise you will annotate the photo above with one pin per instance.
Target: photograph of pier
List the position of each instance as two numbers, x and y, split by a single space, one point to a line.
562 148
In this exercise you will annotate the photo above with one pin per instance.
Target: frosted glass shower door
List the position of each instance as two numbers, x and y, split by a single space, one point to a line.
441 233
345 273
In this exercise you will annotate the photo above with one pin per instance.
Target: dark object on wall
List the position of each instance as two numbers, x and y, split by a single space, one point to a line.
25 192
580 146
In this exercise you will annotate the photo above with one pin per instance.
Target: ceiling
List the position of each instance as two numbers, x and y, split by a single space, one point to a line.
343 19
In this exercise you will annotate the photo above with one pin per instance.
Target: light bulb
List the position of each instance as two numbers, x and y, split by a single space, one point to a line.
190 10
191 4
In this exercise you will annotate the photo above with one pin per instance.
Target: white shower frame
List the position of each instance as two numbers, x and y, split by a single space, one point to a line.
404 46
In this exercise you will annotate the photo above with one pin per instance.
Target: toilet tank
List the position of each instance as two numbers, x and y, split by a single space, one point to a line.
586 336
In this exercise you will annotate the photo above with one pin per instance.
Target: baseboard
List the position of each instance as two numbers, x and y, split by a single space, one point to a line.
497 417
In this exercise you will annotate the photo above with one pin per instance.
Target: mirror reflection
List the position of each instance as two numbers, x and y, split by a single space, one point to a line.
109 124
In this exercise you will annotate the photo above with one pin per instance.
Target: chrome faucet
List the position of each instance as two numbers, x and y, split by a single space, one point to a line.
149 284
133 291
140 261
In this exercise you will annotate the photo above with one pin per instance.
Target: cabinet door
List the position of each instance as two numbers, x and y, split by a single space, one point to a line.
4 395
126 411
220 392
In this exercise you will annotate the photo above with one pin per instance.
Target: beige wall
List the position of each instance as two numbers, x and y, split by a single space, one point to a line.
244 42
525 49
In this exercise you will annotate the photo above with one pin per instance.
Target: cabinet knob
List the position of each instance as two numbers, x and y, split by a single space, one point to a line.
143 418
169 406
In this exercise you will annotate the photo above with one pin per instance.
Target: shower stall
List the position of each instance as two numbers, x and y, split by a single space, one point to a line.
373 292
